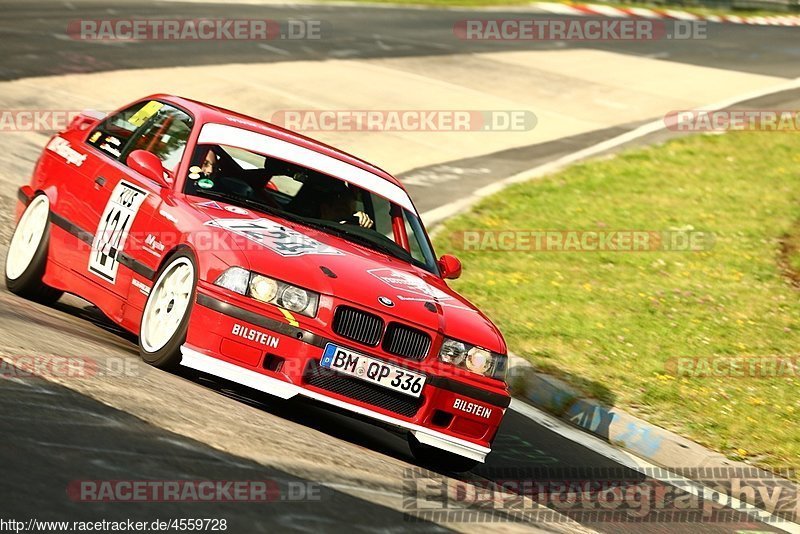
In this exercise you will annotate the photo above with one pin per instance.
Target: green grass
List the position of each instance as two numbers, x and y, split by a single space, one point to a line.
609 322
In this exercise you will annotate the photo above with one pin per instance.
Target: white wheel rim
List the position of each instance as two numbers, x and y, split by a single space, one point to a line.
27 236
166 307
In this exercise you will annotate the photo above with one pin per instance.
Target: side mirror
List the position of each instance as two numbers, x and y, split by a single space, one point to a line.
449 266
148 165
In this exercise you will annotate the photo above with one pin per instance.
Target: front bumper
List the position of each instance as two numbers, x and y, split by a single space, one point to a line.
439 418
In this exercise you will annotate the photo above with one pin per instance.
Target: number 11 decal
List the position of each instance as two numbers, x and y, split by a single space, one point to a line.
112 231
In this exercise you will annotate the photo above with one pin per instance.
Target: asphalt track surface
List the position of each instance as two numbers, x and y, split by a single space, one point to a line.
52 435
35 44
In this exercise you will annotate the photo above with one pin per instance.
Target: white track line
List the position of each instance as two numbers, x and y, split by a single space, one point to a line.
437 215
646 468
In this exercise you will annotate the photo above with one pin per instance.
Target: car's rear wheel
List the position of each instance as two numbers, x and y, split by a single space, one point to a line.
166 314
27 254
438 459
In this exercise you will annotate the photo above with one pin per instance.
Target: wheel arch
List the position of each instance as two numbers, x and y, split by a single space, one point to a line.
168 255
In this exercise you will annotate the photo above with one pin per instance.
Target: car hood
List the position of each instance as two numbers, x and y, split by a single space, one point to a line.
348 271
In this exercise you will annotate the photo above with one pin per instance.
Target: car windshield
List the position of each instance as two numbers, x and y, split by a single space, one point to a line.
247 178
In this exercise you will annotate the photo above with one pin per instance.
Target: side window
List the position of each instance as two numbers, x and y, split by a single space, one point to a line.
165 134
113 134
153 126
383 225
382 216
287 185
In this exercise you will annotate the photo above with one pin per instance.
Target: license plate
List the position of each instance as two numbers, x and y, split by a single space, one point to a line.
372 370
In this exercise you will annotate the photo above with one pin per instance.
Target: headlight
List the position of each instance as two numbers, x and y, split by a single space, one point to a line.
269 290
478 360
263 288
294 298
235 279
453 352
475 359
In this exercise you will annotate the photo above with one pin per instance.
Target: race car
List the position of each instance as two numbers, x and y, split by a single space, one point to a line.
251 253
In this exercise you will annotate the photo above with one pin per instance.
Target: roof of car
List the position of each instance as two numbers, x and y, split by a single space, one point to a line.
204 113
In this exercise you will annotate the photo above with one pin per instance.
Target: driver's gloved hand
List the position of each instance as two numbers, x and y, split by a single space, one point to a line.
363 219
360 218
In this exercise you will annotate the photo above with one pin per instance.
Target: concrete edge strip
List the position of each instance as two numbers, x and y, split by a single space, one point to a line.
437 215
650 470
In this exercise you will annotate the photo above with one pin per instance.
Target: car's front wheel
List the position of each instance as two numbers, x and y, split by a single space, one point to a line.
165 319
438 459
27 254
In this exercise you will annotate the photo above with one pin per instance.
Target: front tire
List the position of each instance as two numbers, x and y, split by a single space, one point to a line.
26 260
438 459
166 314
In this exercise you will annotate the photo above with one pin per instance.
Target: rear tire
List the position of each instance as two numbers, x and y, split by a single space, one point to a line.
438 459
166 314
26 260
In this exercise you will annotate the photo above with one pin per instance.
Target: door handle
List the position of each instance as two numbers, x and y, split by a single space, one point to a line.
100 181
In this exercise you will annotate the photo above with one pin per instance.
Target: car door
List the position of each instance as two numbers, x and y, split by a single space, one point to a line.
126 246
72 167
77 159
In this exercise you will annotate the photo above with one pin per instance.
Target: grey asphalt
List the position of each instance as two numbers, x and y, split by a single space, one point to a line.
55 439
35 40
